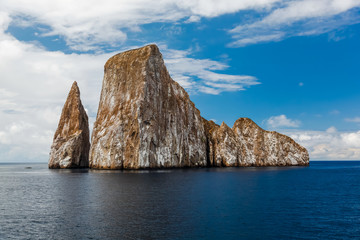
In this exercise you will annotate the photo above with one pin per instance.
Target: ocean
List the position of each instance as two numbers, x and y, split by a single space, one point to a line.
321 201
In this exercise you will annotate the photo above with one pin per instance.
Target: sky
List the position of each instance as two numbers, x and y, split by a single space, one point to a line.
292 66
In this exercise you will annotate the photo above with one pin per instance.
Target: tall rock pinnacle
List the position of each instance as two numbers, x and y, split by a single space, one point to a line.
70 148
145 119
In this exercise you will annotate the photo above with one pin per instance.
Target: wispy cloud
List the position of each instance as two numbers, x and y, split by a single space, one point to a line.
200 75
335 112
84 24
355 119
282 121
249 39
297 18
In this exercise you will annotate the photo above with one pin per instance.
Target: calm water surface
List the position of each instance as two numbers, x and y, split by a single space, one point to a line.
317 202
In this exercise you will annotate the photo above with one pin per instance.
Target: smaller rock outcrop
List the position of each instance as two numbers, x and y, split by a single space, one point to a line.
259 147
246 144
70 148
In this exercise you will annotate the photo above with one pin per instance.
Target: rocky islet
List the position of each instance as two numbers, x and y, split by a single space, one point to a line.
146 120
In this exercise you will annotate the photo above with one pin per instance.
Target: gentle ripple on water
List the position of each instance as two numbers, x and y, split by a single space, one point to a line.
316 202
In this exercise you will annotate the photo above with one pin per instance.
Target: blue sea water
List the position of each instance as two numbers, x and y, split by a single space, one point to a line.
321 201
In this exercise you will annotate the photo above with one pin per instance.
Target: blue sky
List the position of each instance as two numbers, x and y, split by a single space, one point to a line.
291 66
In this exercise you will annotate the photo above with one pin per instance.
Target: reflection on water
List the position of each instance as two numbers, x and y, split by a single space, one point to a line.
316 202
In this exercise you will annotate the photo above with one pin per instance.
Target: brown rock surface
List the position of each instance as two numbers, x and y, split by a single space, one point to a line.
246 144
223 145
70 148
145 119
267 148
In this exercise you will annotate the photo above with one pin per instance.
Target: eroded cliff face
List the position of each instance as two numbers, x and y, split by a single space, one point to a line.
70 147
246 144
267 148
145 119
223 145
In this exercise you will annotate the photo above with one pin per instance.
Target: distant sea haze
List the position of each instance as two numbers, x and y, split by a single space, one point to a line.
316 202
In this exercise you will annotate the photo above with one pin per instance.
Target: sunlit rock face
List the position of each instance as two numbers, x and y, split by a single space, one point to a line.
246 144
70 147
145 119
267 148
223 145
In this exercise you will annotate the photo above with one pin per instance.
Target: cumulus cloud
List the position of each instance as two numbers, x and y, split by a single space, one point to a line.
282 121
34 86
328 145
297 18
331 129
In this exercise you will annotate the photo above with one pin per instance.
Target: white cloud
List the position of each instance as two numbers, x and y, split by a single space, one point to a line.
282 121
335 112
331 129
86 23
355 119
34 85
328 145
185 70
297 18
248 40
209 90
303 9
192 19
214 8
351 139
4 21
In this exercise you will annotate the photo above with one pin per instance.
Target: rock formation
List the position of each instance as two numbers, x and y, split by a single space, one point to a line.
146 120
223 146
246 144
70 148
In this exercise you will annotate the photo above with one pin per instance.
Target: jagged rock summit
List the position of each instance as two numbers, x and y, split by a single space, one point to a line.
147 120
70 147
246 144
